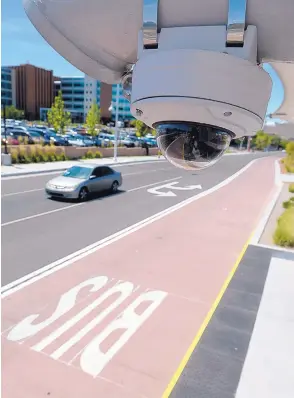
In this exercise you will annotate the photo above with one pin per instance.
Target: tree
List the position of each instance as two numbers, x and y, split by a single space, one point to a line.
57 116
142 128
262 140
93 118
11 112
276 141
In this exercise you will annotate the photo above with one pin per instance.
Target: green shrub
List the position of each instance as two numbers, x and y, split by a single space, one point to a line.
23 157
288 203
14 156
41 154
289 163
89 155
92 155
34 156
284 233
50 152
290 148
291 188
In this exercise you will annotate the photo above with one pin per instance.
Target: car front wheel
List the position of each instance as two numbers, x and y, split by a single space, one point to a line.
114 187
83 194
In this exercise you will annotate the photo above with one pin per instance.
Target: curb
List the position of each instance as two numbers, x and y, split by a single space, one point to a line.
270 207
25 173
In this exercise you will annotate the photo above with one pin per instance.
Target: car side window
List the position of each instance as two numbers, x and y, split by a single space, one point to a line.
97 172
106 171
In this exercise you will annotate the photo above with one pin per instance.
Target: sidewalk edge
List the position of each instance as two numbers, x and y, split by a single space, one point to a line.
270 207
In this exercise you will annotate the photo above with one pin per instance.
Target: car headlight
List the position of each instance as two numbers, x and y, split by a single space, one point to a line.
61 188
66 188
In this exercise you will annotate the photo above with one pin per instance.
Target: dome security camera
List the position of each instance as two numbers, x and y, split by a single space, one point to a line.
191 70
198 99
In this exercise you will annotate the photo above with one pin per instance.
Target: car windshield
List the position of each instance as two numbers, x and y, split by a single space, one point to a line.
78 172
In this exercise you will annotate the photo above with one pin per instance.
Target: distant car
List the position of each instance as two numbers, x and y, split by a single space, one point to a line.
74 140
78 182
127 142
56 139
22 135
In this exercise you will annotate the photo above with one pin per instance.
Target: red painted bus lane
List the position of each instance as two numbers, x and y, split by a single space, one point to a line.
117 322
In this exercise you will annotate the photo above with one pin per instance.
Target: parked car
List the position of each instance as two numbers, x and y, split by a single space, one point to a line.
74 140
79 182
23 135
55 139
87 140
128 142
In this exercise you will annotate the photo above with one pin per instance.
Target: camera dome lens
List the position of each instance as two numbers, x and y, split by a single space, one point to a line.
191 145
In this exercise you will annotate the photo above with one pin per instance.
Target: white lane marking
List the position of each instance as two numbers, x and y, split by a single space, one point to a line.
92 359
155 191
22 192
113 165
271 349
41 273
42 189
78 204
40 214
151 185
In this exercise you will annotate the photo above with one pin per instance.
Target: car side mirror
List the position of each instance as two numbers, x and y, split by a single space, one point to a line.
92 176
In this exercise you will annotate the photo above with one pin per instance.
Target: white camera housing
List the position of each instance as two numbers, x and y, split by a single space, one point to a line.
193 77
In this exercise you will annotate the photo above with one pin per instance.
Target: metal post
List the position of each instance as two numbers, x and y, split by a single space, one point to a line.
116 123
5 132
248 144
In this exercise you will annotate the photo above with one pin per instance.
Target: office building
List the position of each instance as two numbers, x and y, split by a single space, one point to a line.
79 93
124 112
8 86
33 89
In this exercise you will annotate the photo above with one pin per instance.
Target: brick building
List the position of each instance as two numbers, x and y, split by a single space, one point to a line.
33 89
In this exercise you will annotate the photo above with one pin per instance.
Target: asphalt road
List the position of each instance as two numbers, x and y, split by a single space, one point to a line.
37 231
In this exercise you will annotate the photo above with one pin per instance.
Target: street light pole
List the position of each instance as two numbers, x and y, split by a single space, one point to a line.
116 123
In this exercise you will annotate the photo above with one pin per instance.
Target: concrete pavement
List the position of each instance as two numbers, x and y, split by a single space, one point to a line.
117 322
37 231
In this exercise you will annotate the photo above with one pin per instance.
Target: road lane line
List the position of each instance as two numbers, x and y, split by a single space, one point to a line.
46 270
151 185
19 193
40 215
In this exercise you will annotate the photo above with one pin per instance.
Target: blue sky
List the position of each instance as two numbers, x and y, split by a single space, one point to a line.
21 43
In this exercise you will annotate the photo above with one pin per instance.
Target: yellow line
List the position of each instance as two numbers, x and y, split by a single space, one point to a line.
208 317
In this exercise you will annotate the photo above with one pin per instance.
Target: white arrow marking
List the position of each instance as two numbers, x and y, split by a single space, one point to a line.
156 191
188 188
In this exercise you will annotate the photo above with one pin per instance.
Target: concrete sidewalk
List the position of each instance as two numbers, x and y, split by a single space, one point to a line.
39 168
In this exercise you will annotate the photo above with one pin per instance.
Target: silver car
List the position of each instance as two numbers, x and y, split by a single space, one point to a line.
78 182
